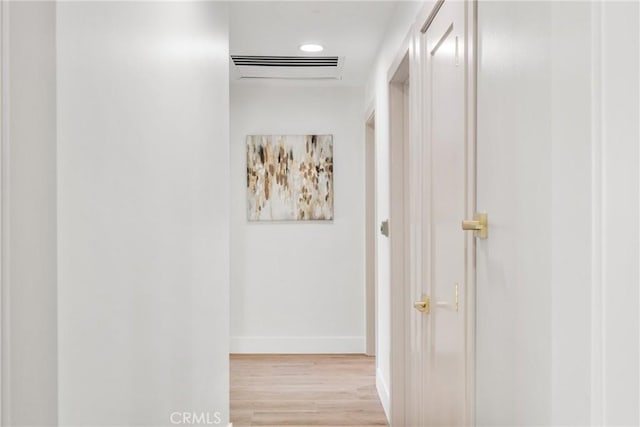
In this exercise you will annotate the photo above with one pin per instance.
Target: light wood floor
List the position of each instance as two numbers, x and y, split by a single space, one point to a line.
304 390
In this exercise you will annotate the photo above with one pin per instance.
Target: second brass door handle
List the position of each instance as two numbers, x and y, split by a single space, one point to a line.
423 306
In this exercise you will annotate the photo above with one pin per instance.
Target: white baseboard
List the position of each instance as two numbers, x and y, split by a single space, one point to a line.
297 345
383 393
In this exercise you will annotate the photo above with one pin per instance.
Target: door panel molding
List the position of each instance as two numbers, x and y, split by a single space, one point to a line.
470 52
5 403
597 362
436 7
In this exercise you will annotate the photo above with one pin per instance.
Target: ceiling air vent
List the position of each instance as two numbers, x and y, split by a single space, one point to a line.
288 67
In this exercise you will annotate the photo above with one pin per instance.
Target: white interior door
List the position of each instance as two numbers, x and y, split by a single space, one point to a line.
447 140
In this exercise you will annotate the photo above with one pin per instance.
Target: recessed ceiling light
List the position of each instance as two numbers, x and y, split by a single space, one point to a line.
311 47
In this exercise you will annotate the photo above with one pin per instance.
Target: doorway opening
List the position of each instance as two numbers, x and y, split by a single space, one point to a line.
302 318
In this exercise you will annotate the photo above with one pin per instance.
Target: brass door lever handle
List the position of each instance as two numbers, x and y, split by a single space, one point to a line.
468 224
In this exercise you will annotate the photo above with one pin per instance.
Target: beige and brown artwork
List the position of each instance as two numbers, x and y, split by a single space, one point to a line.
289 177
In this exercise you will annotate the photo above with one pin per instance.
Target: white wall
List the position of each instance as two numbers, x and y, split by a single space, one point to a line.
557 291
143 172
29 215
377 94
618 130
298 287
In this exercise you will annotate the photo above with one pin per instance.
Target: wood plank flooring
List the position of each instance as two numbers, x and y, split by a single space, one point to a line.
304 390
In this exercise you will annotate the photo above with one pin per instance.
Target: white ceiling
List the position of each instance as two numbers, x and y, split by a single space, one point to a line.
353 29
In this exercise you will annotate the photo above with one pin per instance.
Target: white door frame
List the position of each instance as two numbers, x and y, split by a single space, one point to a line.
398 74
371 270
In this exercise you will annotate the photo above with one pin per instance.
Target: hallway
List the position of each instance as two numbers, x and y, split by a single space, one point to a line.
304 390
319 213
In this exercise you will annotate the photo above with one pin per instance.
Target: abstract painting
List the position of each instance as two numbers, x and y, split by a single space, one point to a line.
289 177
